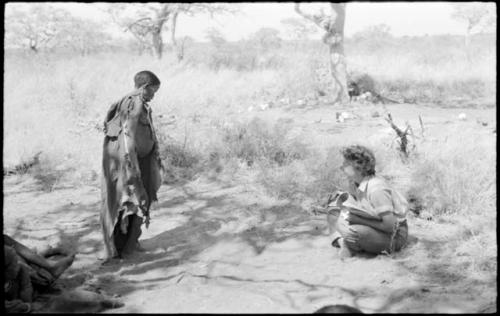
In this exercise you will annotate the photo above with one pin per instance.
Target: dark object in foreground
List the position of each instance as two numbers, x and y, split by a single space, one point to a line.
81 301
338 309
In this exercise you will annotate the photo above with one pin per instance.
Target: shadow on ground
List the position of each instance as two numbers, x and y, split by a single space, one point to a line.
200 230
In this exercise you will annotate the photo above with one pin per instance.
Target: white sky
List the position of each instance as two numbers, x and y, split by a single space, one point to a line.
404 18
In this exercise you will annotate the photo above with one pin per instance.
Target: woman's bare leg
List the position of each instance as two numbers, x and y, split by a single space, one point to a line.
52 251
133 234
56 268
28 254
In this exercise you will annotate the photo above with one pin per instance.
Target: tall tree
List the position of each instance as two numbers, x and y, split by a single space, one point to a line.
298 29
215 37
34 25
477 17
82 36
266 38
333 25
150 20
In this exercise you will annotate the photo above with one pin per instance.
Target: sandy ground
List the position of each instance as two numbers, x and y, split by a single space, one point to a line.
215 247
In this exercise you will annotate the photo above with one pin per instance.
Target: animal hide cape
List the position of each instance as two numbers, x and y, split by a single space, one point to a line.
130 178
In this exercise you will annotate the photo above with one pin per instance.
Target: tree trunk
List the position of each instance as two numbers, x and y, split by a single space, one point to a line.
335 40
178 50
467 45
338 72
157 42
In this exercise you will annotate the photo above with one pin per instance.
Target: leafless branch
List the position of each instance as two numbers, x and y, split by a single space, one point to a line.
403 145
309 17
421 126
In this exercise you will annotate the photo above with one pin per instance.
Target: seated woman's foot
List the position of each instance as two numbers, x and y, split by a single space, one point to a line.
336 239
61 265
344 251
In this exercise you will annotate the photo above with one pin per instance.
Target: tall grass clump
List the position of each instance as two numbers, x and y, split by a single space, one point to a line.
458 177
455 180
430 69
258 140
179 160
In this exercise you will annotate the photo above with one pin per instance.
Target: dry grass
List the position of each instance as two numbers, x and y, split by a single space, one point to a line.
61 99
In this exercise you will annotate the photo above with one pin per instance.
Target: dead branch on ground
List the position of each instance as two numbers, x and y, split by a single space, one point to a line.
403 135
421 126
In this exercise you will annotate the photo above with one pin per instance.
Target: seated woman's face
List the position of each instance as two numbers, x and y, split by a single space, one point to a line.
351 172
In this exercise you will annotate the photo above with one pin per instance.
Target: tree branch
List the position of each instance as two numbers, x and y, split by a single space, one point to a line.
309 17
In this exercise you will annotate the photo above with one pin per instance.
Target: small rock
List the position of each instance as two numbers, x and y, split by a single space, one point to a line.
285 100
342 116
375 114
462 116
264 106
482 122
312 103
301 102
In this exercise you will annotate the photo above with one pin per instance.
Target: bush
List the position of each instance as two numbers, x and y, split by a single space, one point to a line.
178 161
50 172
259 140
457 178
312 178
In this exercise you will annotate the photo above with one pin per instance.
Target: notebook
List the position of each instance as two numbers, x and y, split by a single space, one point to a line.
347 202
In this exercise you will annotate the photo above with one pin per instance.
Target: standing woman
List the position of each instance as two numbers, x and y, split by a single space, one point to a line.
131 167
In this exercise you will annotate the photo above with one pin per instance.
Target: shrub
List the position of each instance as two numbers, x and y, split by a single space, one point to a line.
179 162
50 172
456 178
260 140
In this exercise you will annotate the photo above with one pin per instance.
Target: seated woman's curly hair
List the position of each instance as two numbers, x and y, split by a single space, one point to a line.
361 157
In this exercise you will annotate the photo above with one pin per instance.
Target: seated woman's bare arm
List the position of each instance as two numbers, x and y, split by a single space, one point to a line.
381 201
386 224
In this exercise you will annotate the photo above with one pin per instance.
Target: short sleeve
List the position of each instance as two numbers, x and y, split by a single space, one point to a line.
381 200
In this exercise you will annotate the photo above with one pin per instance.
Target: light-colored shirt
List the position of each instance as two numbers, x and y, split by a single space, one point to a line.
375 193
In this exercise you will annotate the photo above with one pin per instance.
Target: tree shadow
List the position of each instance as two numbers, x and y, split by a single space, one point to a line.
438 274
278 224
200 231
303 286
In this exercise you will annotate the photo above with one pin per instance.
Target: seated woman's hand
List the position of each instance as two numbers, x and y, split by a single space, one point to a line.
316 210
353 219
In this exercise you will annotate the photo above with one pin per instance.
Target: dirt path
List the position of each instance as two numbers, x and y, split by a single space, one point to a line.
214 247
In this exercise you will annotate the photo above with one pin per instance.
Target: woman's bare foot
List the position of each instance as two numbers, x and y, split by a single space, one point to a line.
61 265
111 260
139 248
344 252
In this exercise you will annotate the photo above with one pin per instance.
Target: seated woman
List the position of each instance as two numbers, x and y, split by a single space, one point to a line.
26 271
354 233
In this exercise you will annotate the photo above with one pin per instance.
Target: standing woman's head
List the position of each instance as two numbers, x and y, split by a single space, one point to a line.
359 162
149 82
